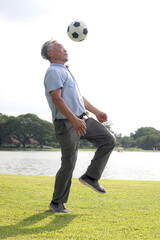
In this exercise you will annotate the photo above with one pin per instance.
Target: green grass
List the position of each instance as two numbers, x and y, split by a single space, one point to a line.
129 210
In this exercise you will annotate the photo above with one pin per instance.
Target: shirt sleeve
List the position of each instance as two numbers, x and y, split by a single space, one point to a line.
53 80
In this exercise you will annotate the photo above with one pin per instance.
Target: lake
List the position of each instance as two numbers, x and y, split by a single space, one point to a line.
121 165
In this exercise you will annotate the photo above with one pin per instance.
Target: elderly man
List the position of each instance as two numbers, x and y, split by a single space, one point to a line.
72 123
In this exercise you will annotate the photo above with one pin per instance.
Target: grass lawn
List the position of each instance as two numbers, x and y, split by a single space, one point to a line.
129 210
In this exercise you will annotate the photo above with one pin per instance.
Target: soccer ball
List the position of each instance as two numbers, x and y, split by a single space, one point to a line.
77 31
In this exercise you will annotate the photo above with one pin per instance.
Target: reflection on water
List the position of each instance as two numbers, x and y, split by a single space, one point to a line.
126 165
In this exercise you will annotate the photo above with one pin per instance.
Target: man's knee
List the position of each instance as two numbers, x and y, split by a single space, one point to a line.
110 140
113 140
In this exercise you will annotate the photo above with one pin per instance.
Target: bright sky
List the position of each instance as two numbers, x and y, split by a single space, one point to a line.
117 67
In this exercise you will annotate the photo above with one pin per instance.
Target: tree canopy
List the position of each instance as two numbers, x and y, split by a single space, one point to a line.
29 128
147 138
26 127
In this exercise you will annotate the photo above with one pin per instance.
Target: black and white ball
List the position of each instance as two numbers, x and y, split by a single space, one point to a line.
77 31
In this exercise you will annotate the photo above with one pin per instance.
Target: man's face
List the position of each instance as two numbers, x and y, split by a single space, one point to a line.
59 54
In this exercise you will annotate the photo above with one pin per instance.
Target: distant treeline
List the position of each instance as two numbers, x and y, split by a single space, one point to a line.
30 131
146 138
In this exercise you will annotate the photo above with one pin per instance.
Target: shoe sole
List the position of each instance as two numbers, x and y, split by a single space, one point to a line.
88 185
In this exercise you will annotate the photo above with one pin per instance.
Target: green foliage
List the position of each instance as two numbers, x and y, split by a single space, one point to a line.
26 127
144 131
128 211
3 119
84 144
30 126
146 138
127 142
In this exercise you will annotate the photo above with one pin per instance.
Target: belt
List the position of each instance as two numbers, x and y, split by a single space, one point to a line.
83 116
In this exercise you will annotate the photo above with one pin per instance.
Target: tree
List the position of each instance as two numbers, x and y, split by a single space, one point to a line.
108 124
148 142
3 119
19 128
144 131
44 133
127 142
145 138
28 126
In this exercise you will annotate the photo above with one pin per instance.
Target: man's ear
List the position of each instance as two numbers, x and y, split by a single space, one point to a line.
50 53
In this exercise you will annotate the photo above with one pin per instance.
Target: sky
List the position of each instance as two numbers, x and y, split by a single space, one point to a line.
117 66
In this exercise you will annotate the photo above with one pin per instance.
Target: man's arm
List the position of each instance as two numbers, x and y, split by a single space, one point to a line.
101 116
77 123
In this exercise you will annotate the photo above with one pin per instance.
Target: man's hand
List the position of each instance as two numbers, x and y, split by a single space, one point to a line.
80 126
101 116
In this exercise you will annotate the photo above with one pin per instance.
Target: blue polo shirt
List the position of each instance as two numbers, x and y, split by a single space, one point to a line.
59 76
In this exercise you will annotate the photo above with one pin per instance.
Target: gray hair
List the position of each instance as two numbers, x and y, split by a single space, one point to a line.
47 46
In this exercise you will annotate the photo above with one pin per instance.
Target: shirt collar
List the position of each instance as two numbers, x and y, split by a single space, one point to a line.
58 64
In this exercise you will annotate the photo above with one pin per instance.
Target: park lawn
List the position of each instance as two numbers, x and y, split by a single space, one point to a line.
129 210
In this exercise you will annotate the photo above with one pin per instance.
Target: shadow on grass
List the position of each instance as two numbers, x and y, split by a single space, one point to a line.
25 227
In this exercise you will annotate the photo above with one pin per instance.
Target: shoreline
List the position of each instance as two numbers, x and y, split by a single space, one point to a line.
80 149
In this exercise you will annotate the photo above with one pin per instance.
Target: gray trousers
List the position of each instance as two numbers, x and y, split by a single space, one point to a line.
68 139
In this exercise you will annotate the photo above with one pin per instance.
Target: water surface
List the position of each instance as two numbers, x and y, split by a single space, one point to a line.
125 165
